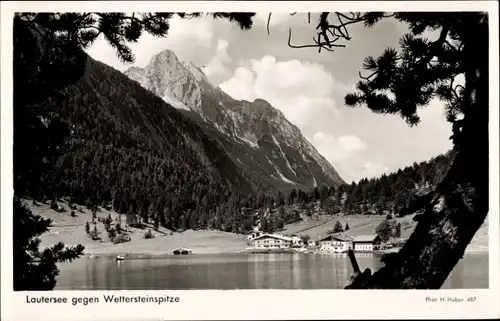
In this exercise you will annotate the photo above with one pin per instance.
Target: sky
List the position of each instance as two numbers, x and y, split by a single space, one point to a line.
307 86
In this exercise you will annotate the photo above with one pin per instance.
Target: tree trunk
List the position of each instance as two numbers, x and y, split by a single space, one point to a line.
459 205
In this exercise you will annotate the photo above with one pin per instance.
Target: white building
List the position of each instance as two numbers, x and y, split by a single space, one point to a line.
335 244
296 241
270 241
312 243
367 243
253 235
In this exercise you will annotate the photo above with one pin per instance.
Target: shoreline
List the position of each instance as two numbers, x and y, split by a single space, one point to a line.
109 251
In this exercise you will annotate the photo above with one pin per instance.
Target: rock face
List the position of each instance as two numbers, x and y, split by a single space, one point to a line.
269 151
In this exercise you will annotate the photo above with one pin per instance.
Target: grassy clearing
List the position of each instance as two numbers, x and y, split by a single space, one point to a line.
71 231
362 225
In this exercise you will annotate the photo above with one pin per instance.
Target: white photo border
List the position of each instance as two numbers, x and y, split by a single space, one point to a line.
248 304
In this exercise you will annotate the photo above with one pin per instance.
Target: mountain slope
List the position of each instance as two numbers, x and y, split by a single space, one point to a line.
268 150
128 146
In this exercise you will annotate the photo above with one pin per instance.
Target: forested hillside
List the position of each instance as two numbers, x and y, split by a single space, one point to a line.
385 195
127 147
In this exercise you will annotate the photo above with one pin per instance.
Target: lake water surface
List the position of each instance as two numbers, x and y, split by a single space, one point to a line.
240 271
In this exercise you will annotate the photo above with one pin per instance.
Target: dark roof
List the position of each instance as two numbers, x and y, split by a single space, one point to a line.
272 236
336 237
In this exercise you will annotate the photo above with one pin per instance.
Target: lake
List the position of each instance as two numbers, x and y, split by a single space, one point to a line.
240 271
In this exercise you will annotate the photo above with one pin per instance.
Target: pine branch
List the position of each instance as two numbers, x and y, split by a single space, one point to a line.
268 22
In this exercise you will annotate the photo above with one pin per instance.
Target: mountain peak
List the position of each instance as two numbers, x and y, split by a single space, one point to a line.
166 55
254 133
174 81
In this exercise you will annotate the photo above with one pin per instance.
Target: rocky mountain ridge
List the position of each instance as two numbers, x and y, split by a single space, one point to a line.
270 151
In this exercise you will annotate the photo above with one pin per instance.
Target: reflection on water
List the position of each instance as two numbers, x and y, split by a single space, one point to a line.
240 271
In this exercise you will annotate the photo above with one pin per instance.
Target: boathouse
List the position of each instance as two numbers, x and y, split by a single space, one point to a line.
367 243
335 243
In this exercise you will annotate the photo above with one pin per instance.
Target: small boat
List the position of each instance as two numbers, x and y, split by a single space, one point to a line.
120 257
182 252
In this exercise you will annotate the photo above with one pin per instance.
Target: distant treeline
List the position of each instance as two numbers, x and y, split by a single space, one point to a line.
387 194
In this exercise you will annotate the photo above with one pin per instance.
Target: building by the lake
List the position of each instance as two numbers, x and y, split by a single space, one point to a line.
271 241
367 243
312 243
297 241
335 243
253 235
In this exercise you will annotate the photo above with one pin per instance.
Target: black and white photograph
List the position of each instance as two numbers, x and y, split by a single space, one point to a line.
235 150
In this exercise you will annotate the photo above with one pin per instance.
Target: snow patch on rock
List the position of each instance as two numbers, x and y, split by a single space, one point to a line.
283 154
250 140
174 103
283 178
286 180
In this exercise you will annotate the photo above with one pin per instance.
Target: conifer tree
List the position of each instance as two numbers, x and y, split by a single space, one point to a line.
264 225
94 234
156 223
400 82
35 270
338 197
383 230
398 230
291 198
323 194
296 216
338 227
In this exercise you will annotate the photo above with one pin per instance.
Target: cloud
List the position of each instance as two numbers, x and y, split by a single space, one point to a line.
372 170
277 18
348 154
355 169
302 90
184 30
217 67
352 143
241 85
186 37
338 149
319 136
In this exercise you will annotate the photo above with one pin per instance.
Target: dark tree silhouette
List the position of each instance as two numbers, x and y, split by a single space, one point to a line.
34 269
338 227
402 81
384 230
